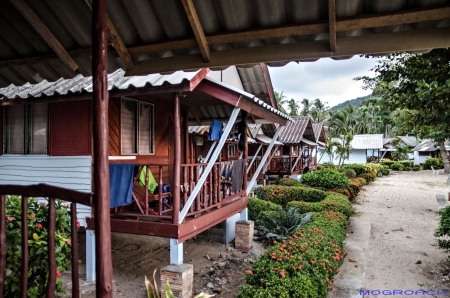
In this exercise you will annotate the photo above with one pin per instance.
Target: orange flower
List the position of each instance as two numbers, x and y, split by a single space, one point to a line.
249 272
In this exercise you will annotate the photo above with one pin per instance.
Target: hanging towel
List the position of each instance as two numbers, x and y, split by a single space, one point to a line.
215 130
151 180
238 175
121 184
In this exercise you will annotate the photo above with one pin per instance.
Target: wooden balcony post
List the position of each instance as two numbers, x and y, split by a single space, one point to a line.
176 159
101 164
245 157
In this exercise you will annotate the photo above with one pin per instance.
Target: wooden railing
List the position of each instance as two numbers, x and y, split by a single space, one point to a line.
213 192
51 192
285 164
253 167
142 198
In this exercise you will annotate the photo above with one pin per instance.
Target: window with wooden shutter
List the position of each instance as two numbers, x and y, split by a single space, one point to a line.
137 127
25 129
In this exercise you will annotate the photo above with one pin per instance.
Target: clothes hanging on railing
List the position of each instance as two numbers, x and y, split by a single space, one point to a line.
215 130
121 184
227 172
237 175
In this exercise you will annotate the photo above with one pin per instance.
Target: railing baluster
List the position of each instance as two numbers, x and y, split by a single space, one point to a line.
210 199
216 183
191 184
74 233
186 185
51 283
24 276
160 191
3 247
196 175
146 189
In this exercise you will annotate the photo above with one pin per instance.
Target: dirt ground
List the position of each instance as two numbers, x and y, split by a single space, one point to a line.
218 268
390 244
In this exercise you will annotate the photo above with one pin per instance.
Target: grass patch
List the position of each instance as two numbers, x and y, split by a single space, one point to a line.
398 230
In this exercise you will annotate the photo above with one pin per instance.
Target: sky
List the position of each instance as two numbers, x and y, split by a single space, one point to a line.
327 79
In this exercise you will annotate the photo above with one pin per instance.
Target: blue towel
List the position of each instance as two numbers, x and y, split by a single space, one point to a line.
215 130
121 184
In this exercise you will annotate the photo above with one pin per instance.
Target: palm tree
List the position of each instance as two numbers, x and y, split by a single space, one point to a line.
279 98
318 112
293 107
307 104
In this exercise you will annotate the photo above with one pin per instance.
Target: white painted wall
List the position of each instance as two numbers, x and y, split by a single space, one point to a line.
419 159
72 172
357 156
228 76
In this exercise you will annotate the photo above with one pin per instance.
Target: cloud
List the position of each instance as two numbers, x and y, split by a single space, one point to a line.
327 79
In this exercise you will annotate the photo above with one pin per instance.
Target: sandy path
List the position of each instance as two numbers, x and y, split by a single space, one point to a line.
393 229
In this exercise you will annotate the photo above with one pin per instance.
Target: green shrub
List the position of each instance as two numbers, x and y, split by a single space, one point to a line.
256 206
376 167
436 163
350 173
281 223
407 163
369 177
385 171
303 265
343 191
282 195
358 168
443 230
356 185
416 168
396 166
326 166
387 162
333 202
362 181
37 245
289 182
325 179
407 169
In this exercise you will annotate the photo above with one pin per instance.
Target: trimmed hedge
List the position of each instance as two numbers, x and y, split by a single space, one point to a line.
282 195
387 162
325 179
334 202
350 173
436 163
369 177
358 168
396 166
343 191
257 206
289 182
407 163
302 266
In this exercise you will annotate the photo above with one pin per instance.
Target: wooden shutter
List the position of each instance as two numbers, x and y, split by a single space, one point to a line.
14 130
38 123
146 135
129 126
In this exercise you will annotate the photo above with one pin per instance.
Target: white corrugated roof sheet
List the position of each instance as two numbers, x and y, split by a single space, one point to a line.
368 141
266 140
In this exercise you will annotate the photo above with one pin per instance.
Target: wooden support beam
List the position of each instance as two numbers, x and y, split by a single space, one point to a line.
343 24
332 24
265 72
117 42
101 163
349 46
194 113
197 28
44 32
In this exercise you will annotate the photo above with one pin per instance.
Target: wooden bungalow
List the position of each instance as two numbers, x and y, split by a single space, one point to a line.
299 151
390 143
149 118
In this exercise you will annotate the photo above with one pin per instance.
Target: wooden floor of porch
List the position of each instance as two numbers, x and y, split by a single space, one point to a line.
136 223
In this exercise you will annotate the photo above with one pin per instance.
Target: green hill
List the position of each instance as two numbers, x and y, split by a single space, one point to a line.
356 102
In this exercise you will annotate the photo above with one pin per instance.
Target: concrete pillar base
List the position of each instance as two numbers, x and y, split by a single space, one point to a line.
180 277
244 235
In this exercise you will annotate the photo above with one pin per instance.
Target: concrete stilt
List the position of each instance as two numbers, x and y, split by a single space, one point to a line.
90 255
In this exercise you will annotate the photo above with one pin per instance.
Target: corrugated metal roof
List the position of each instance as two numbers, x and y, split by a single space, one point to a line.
388 140
143 23
411 141
250 96
254 129
426 146
266 140
198 129
295 131
368 141
84 84
308 142
319 132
